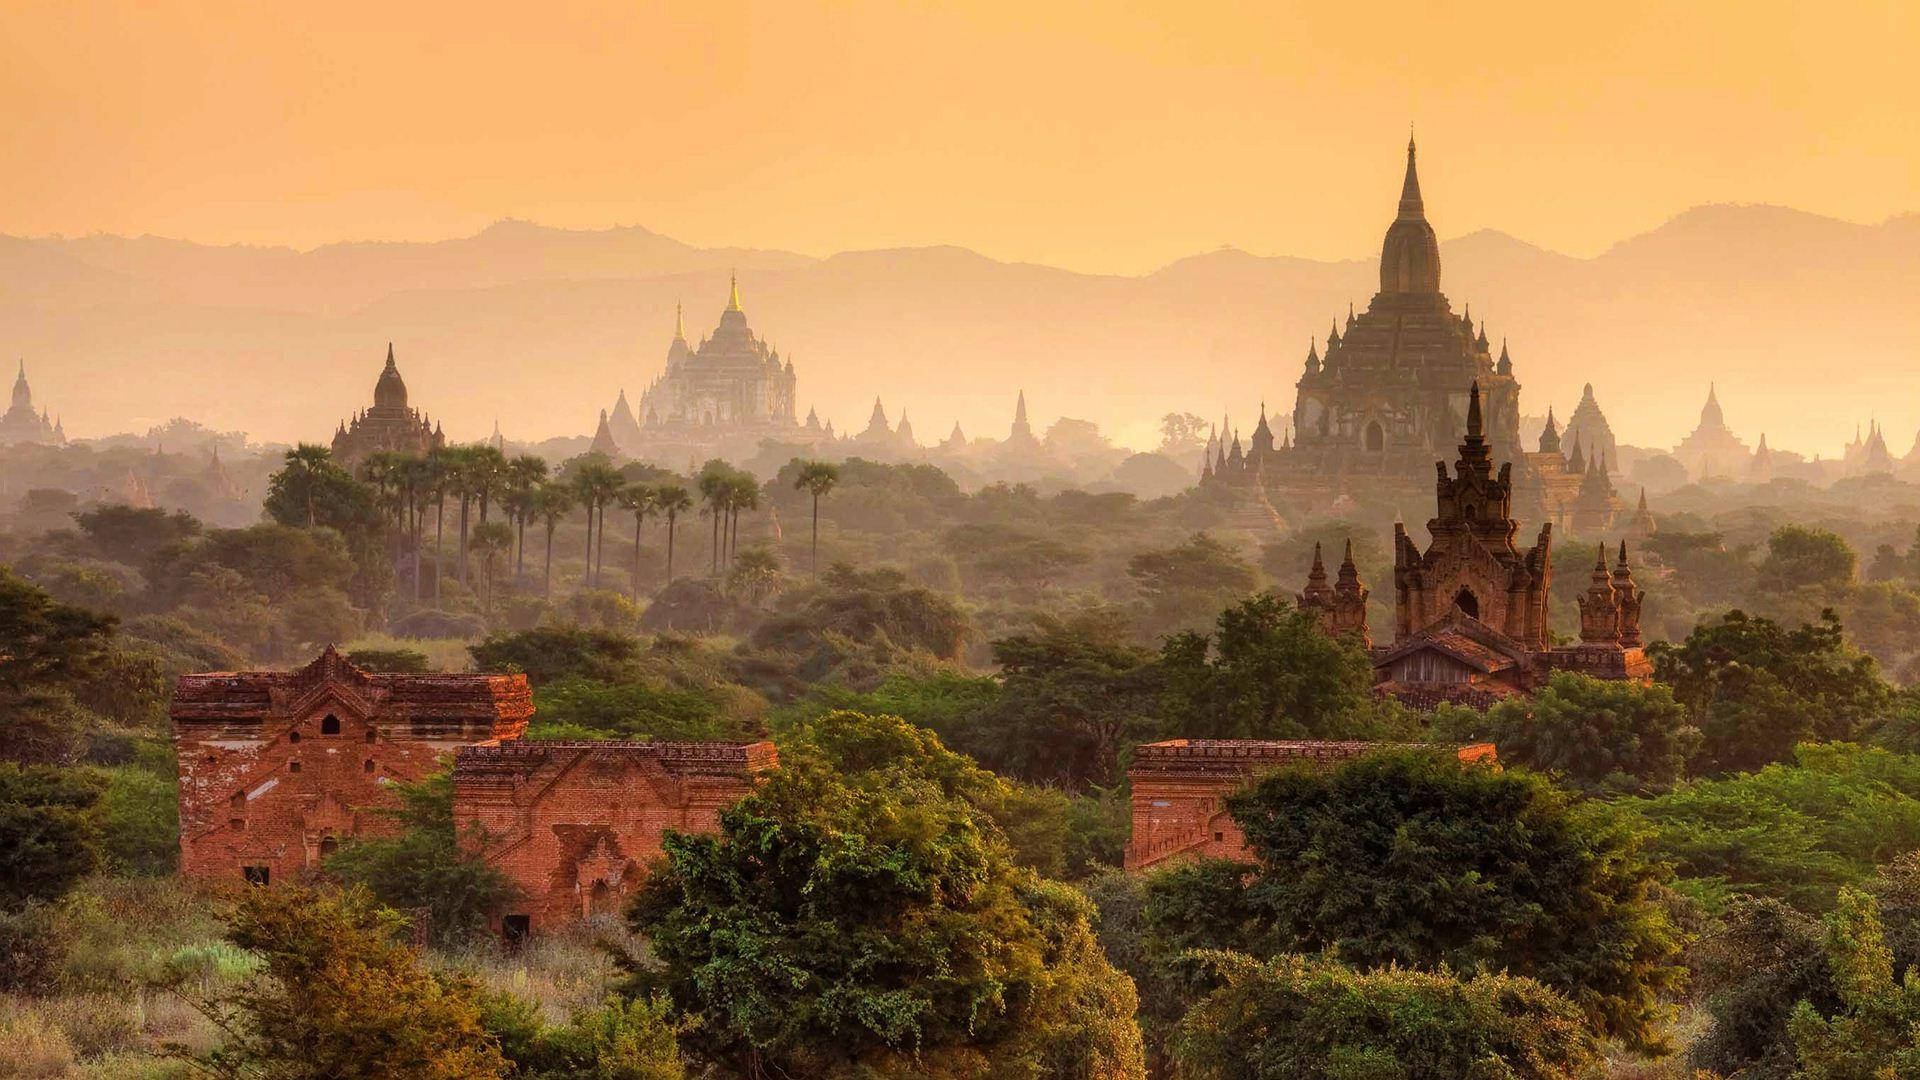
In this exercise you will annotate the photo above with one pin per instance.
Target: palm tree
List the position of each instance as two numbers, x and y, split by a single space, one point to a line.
638 498
461 475
437 482
551 504
490 477
816 478
524 476
414 476
490 539
671 500
716 492
595 483
305 464
746 496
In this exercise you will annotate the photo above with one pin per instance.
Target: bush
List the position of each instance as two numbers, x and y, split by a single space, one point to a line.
1295 1018
402 661
549 653
32 1047
49 830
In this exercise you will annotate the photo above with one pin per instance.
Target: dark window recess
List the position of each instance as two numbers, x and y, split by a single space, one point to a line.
256 875
293 736
367 766
330 725
239 823
328 845
293 766
370 734
514 929
1219 836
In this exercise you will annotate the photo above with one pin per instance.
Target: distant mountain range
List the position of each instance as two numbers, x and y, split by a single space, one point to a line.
1807 323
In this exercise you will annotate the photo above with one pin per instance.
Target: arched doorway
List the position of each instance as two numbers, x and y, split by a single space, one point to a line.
1376 437
601 899
1468 603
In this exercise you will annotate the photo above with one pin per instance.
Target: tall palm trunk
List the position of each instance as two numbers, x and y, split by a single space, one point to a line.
439 543
586 574
547 588
413 523
636 556
520 549
816 534
670 530
466 502
717 513
600 549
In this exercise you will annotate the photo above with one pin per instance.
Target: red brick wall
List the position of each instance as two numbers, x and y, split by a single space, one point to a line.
577 824
265 783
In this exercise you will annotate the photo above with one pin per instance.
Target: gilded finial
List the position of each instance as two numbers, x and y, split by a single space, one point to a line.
733 298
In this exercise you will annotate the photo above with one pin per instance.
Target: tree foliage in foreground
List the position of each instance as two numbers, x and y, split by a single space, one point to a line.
862 917
336 997
1415 858
1599 737
1298 1018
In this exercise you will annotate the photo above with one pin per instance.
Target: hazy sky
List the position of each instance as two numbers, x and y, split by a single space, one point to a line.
1103 137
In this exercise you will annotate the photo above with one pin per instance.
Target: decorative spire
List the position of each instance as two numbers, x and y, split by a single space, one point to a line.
1410 204
1475 428
1505 367
733 294
680 321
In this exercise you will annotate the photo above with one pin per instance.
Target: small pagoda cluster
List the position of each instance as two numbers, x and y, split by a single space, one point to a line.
1470 610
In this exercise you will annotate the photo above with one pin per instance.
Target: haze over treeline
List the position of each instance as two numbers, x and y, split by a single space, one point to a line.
541 327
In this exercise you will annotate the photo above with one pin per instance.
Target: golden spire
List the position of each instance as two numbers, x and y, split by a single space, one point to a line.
733 300
679 322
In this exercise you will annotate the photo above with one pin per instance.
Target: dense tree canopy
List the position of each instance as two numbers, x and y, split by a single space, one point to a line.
864 918
1416 858
49 830
1296 1018
1600 737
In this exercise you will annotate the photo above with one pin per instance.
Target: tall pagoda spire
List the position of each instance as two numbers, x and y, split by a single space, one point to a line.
1411 207
733 294
680 322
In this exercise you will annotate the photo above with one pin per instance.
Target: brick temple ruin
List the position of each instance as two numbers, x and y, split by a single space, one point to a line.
277 769
1180 788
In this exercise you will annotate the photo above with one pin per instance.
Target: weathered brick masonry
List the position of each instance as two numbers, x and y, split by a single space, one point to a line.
277 768
1180 788
575 824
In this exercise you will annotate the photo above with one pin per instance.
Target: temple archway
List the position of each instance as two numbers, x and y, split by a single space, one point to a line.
1376 437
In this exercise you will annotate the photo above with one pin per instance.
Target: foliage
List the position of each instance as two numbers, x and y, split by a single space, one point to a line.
44 644
1796 832
1417 858
1756 689
337 998
547 653
428 866
864 919
1297 1018
620 1040
1801 557
1598 737
577 707
133 535
402 661
1877 1031
1757 963
865 606
49 830
1269 672
1074 695
139 821
1182 586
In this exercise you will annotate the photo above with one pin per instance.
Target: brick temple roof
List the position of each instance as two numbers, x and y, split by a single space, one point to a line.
678 757
1235 757
254 695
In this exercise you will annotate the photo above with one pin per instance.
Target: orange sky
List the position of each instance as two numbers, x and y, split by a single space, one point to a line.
1101 136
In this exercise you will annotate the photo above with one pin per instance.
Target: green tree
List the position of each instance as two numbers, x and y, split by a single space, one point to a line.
1416 858
866 923
521 500
595 484
49 830
1599 737
620 1040
672 500
552 503
308 466
1074 694
547 653
491 539
717 490
134 535
1797 831
1800 557
426 865
1269 672
816 478
637 499
1756 689
1877 1033
335 997
1298 1018
1181 586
